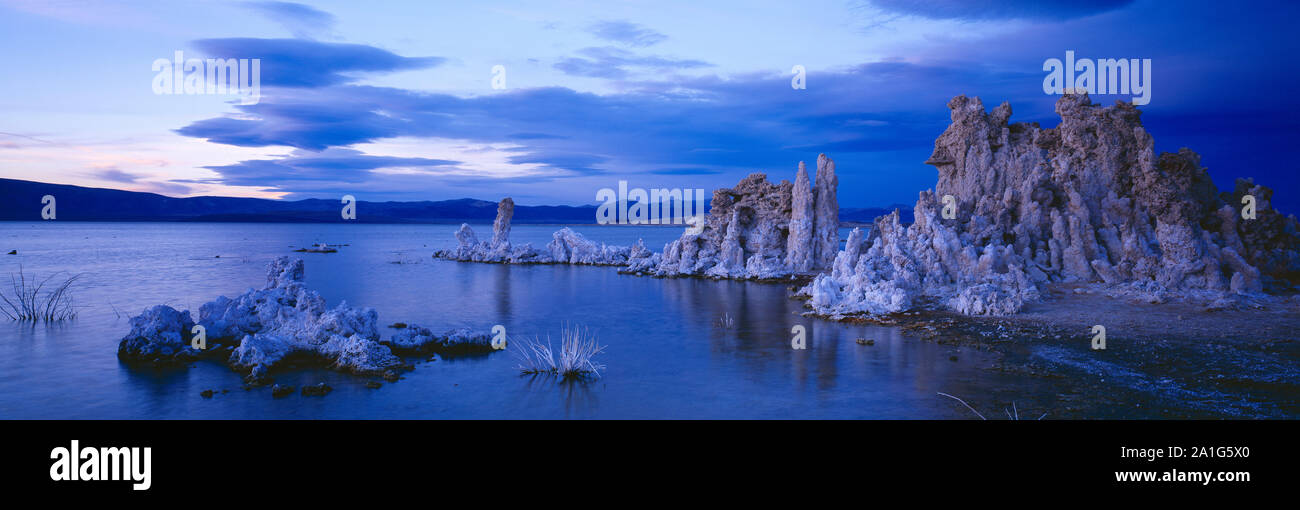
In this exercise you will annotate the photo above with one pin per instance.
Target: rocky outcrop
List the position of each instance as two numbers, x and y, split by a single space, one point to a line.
262 329
566 247
420 340
500 247
160 335
826 215
501 226
1086 202
799 246
762 230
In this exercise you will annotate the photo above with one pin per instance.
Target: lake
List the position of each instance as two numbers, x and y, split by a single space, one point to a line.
666 358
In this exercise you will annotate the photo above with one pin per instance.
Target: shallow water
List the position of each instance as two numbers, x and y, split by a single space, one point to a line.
665 356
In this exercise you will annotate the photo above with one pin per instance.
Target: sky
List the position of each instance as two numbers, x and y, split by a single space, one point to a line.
404 100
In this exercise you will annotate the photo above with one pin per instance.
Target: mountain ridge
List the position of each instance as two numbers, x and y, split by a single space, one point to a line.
22 202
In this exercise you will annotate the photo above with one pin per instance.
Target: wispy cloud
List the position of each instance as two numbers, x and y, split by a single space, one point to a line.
299 63
115 175
626 32
696 98
332 165
303 21
617 63
137 182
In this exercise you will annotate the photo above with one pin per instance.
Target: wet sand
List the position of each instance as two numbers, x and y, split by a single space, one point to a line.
1168 360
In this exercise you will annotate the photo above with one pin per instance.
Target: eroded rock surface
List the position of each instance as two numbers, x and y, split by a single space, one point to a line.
268 327
420 340
755 230
1088 201
566 247
762 230
160 335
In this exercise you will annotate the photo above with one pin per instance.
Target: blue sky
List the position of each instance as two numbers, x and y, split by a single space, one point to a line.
394 100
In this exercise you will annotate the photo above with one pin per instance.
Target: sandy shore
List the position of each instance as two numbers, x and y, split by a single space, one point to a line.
1169 360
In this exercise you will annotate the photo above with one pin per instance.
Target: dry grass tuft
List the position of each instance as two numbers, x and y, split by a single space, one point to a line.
578 348
24 300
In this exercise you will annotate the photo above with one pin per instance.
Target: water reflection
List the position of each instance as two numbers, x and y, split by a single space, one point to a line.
576 396
666 358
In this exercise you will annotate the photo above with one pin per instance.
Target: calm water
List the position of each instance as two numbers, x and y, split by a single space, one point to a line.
665 357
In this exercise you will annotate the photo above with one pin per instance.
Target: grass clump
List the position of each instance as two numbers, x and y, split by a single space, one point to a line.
25 301
575 360
725 322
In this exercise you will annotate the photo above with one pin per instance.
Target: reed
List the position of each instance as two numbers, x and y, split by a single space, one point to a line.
37 300
575 360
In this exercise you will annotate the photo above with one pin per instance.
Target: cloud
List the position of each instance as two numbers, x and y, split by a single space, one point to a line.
626 32
115 175
24 137
678 129
302 21
332 165
613 63
571 161
311 64
1000 9
683 121
878 119
166 188
138 183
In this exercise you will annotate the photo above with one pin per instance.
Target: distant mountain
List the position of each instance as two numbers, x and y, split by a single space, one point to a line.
21 201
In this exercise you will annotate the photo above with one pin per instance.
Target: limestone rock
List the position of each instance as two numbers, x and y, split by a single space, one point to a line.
762 230
268 326
501 226
1088 201
747 234
284 272
799 247
160 335
640 259
826 215
566 247
569 247
420 340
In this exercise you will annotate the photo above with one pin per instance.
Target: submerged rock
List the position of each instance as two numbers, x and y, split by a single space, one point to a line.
270 326
1086 202
316 390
